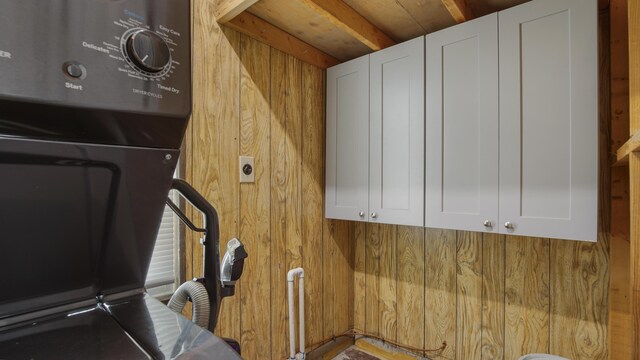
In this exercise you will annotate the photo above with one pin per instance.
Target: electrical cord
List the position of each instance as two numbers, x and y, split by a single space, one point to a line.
326 341
354 333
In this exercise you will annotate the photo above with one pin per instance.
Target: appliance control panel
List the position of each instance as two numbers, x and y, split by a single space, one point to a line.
127 55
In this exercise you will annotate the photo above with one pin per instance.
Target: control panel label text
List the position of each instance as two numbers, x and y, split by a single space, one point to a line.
168 88
95 47
147 93
71 86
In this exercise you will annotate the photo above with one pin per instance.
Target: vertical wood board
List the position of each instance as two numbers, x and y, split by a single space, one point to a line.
278 198
312 195
387 306
526 296
440 290
469 293
255 198
493 304
410 287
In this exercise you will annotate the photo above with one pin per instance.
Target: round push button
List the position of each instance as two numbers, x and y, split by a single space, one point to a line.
74 70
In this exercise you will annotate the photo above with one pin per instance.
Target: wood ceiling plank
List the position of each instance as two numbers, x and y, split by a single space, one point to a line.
459 10
228 9
484 7
261 30
349 20
301 21
432 15
390 17
404 19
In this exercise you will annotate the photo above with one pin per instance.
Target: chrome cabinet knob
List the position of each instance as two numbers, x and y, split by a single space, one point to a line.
374 215
361 213
487 223
508 225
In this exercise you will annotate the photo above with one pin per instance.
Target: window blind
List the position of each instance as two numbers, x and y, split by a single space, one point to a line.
163 264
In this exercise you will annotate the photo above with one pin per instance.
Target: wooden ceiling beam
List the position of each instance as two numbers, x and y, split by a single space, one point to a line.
632 145
228 9
275 37
346 18
459 10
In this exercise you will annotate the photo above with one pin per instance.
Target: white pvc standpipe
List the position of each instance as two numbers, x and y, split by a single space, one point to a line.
301 321
292 326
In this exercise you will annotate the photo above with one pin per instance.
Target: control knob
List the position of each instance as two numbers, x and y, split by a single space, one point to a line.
148 51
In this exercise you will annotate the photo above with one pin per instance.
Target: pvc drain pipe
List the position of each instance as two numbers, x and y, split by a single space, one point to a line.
292 326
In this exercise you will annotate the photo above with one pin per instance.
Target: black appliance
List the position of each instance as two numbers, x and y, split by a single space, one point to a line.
95 96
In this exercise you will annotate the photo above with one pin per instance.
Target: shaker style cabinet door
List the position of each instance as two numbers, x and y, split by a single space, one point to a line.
549 119
396 192
462 126
347 152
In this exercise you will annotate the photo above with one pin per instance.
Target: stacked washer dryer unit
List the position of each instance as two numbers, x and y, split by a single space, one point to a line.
94 102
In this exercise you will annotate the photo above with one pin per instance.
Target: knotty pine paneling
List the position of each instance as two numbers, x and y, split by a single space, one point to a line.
250 99
488 296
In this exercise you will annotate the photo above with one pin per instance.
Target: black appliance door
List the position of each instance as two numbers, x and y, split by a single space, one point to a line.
76 220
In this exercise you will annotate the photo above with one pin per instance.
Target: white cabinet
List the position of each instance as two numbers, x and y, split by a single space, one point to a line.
396 173
512 130
549 119
375 137
462 126
347 151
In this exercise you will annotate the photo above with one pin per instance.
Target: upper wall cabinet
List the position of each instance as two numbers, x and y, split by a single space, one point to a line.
347 154
375 137
523 159
462 126
549 119
396 173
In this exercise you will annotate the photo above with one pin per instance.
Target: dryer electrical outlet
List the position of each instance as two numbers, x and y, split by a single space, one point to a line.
247 169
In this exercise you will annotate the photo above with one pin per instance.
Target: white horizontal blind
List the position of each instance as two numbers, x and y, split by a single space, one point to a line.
162 268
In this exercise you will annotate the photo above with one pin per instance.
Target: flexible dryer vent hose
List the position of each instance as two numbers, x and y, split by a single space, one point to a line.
198 294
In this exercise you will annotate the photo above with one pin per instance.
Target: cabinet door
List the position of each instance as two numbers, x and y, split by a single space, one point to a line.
396 193
462 126
549 119
347 154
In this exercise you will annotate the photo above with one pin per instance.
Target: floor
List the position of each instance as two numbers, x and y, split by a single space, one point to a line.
354 353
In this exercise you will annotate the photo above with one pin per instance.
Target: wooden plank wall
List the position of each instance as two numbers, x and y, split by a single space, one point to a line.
634 169
620 290
490 296
250 99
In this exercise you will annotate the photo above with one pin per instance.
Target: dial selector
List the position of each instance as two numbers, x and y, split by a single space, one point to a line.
148 51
